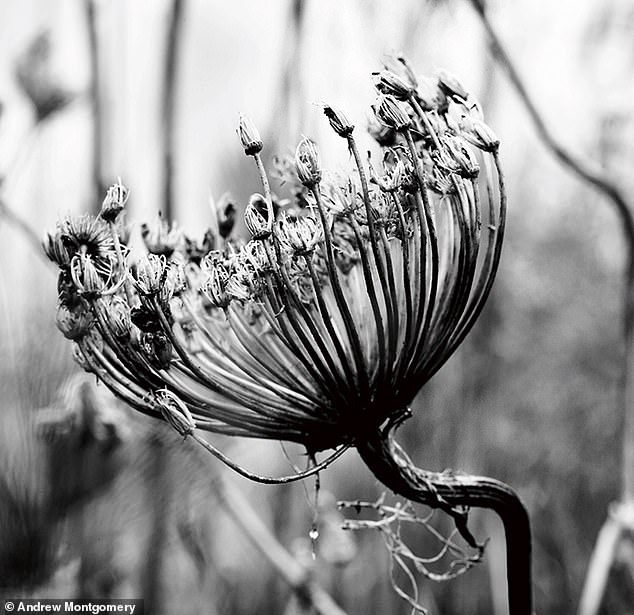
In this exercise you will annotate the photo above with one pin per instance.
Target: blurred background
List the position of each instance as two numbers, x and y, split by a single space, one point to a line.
97 502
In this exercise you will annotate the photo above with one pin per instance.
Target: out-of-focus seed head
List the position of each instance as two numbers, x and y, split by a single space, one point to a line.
249 136
175 412
258 217
382 134
338 120
307 163
214 288
148 274
479 134
55 249
114 202
159 238
391 113
226 214
300 234
35 75
399 65
390 83
451 86
74 323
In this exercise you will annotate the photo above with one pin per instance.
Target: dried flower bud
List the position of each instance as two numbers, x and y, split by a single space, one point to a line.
391 113
399 65
114 202
55 249
148 275
300 234
450 85
339 122
159 238
479 134
249 136
76 322
258 217
390 83
307 163
175 412
214 288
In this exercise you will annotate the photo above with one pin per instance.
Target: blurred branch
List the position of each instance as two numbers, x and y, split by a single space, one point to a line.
170 79
612 532
99 186
294 573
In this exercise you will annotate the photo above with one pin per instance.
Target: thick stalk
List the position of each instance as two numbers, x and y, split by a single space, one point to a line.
450 492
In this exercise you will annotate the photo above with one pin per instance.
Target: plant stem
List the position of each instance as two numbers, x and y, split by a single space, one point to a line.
450 491
169 94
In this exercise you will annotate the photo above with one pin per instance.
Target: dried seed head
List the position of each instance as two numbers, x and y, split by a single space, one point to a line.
249 136
148 274
390 83
307 163
258 217
399 65
339 122
450 85
175 412
391 113
114 202
55 249
76 322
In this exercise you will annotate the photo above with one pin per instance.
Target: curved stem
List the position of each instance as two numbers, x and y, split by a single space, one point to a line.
452 491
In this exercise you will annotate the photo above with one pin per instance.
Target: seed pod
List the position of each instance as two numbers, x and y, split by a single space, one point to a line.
301 234
214 288
258 217
148 275
450 85
390 83
339 122
479 134
307 163
249 136
391 113
175 412
114 202
85 276
119 319
76 322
